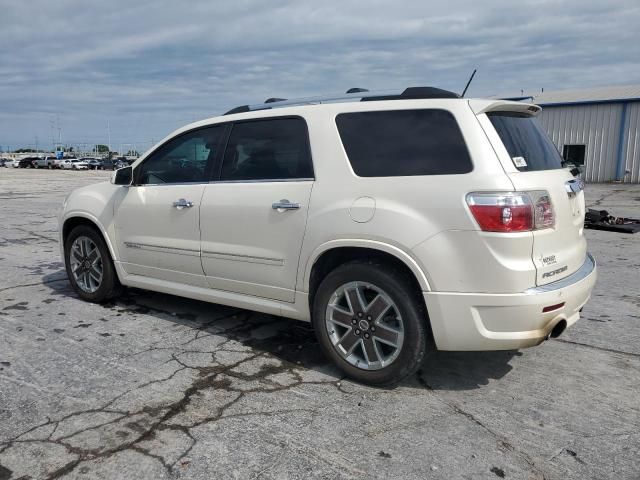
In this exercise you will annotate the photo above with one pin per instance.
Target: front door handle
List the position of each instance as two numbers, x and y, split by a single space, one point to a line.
182 203
285 205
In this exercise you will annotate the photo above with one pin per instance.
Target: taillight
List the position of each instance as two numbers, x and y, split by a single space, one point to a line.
543 214
512 211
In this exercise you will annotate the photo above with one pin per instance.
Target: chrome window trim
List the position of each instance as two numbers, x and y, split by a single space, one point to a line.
583 272
204 182
275 180
262 180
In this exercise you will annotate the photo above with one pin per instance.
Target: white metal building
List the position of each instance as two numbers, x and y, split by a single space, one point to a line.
596 127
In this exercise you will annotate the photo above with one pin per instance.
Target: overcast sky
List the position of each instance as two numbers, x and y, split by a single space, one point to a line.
148 67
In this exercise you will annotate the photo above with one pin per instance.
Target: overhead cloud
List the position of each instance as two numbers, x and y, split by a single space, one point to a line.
147 67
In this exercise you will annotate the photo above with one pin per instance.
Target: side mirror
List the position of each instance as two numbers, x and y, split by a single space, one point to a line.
122 176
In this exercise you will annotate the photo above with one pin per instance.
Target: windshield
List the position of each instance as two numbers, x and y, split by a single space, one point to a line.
527 143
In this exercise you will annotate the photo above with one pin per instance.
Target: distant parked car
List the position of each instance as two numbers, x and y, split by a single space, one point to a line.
14 163
111 164
4 162
93 163
75 164
44 162
58 161
79 164
26 162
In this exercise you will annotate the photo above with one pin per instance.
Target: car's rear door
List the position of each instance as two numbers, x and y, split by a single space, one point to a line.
157 220
534 164
254 213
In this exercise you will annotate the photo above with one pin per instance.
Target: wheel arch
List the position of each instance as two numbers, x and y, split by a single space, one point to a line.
332 254
76 219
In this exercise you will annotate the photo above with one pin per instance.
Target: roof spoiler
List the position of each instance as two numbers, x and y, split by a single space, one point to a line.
486 106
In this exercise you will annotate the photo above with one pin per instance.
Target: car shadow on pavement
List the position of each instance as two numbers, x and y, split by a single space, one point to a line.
288 340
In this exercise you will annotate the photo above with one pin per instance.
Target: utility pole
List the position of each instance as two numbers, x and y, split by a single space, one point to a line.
59 130
53 137
109 134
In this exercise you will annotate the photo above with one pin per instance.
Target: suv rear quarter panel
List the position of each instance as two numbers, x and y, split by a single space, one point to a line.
423 217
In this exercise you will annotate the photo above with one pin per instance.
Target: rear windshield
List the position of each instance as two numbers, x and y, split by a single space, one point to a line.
403 143
527 143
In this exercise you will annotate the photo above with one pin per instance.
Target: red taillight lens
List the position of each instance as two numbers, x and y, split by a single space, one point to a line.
511 211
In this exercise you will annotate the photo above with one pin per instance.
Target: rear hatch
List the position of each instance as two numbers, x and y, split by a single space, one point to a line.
533 163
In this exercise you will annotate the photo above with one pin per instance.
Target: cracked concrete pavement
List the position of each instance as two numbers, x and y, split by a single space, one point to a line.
155 386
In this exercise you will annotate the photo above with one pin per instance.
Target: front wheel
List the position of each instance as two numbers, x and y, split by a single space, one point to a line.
89 265
371 322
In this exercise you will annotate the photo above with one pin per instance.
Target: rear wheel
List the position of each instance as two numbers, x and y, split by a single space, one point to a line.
89 265
370 322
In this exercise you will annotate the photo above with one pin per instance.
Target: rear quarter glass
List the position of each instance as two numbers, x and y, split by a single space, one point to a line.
404 143
528 145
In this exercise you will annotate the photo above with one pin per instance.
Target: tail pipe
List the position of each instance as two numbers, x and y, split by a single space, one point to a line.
558 329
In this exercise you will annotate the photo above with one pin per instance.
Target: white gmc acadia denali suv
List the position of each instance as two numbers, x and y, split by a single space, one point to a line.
381 218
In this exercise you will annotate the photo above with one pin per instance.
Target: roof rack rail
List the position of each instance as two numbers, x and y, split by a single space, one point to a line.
357 90
411 93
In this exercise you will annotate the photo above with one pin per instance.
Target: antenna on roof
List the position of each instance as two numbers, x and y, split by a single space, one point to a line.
469 82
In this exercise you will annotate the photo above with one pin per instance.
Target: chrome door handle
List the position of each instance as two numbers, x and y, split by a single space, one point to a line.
182 203
285 205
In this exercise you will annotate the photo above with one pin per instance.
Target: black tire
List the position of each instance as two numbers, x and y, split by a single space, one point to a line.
110 286
402 292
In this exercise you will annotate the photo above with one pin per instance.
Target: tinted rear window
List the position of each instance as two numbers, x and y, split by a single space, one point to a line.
527 143
403 143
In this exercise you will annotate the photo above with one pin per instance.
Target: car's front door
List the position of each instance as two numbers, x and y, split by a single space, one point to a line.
254 213
157 220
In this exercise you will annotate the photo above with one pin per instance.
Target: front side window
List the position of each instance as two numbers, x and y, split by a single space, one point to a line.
272 149
183 159
529 146
403 143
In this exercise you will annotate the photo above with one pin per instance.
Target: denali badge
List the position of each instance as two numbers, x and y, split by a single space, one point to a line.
548 260
554 272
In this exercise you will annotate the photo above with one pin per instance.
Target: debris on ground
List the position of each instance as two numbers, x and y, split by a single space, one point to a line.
601 220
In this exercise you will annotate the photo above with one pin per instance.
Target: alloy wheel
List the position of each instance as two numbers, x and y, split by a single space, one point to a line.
364 325
86 264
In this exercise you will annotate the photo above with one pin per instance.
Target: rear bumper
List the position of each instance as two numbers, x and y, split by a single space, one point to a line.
482 321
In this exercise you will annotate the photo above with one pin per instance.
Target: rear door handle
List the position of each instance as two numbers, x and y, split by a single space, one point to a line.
285 205
182 203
